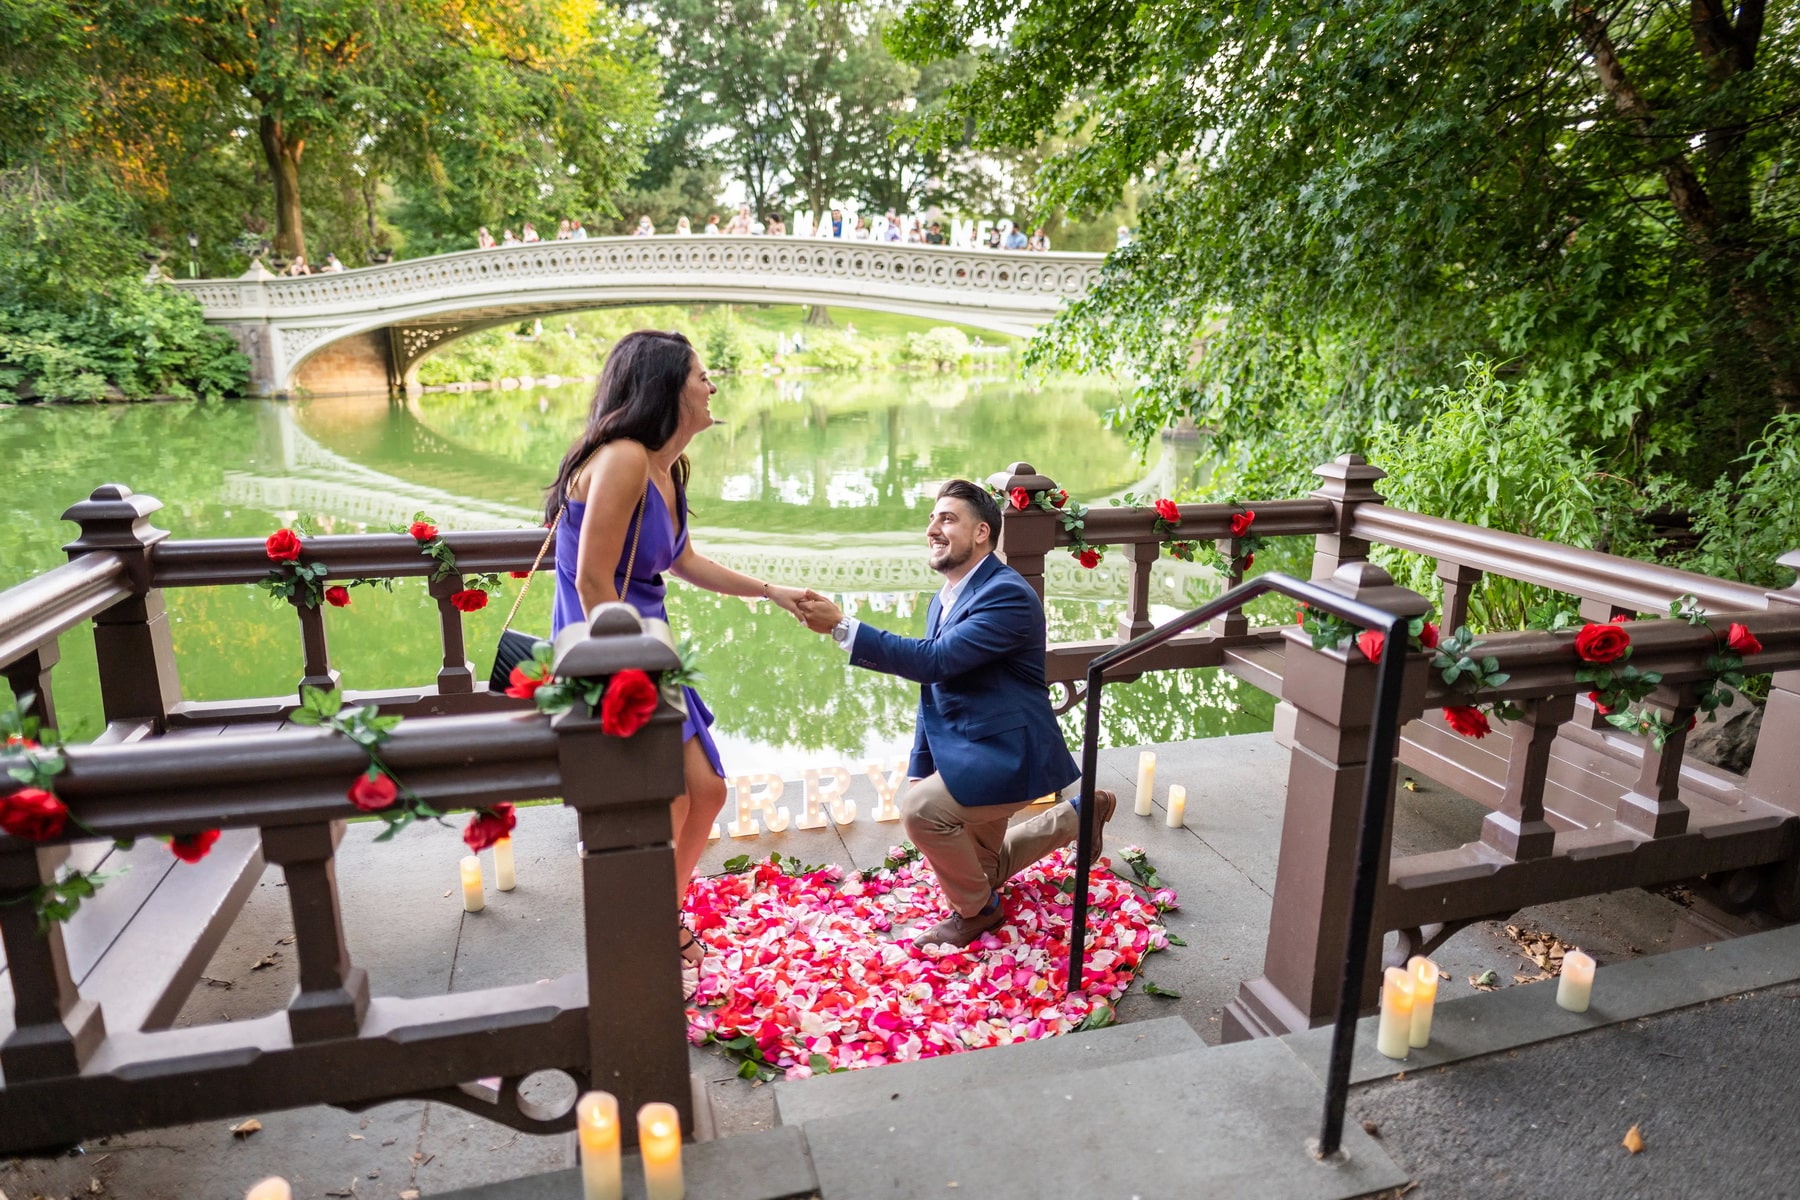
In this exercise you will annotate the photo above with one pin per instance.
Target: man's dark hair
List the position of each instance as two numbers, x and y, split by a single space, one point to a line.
986 508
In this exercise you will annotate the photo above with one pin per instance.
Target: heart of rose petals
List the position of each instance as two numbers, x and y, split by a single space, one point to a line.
799 964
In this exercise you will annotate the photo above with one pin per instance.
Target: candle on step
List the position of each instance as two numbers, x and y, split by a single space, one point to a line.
1176 816
659 1138
473 898
1425 984
1146 782
597 1124
505 877
272 1188
1394 1034
1576 987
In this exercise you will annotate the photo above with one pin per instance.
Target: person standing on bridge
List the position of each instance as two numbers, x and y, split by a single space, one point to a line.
986 744
621 495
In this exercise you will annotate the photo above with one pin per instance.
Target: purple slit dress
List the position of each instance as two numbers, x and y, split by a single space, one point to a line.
658 548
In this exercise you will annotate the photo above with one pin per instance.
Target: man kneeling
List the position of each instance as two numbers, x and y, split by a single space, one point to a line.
987 742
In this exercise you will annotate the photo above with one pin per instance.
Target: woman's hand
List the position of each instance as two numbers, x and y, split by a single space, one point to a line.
788 599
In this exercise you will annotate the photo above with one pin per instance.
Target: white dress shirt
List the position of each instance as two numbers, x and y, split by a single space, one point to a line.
947 597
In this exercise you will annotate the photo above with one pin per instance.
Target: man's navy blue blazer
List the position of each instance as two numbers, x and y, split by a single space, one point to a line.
985 723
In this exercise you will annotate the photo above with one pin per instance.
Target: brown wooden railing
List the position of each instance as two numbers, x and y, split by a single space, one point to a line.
1577 807
68 1075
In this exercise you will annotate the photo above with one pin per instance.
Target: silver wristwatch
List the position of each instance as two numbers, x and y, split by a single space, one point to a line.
840 633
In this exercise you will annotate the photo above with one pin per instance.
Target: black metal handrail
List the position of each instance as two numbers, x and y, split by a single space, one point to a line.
1384 734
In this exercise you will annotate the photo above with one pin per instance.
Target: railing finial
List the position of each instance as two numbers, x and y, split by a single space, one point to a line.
112 518
614 639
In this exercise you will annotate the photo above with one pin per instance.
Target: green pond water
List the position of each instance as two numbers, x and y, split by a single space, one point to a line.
825 481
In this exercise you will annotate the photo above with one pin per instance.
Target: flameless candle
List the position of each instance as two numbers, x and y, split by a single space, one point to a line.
1576 987
659 1138
505 878
1146 782
1176 816
272 1188
597 1123
473 899
1394 1034
1424 974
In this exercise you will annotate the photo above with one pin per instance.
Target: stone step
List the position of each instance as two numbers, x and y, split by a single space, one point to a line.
798 1101
1218 1121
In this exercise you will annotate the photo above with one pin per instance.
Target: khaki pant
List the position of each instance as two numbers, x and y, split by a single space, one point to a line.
973 849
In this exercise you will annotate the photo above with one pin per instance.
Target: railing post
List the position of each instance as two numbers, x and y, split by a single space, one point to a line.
334 993
1349 481
29 674
1026 535
1653 806
621 789
138 680
315 652
1135 620
457 675
1775 765
1518 828
1459 585
54 1028
1333 693
1234 623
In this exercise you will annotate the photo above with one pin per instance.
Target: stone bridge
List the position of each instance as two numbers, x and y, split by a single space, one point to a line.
367 329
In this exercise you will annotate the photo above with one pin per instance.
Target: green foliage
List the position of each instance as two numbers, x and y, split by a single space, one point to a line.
941 348
726 346
1745 524
829 350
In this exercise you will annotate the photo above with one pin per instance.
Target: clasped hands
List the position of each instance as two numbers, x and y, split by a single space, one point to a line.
812 610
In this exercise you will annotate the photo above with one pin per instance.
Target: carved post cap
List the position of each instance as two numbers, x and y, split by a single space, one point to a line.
1368 583
1349 477
1791 593
257 272
111 518
1021 474
614 639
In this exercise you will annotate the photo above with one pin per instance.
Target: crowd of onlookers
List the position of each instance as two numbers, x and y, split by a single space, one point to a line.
888 227
299 266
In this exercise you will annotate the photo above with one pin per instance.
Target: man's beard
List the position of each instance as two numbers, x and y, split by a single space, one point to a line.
950 560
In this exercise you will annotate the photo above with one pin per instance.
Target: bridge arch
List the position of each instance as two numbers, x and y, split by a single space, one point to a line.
378 322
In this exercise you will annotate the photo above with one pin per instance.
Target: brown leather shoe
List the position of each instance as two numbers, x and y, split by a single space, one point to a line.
1105 803
959 930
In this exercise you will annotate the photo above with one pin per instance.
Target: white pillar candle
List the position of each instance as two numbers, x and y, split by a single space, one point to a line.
1394 1034
1176 816
1424 974
1576 987
505 877
1146 789
659 1138
272 1188
597 1125
473 898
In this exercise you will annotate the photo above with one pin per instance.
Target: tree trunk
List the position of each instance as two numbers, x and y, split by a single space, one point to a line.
818 314
283 155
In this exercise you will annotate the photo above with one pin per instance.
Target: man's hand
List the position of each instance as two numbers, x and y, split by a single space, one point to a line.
820 614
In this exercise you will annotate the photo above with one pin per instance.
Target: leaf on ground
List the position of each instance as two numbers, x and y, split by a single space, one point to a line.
1150 989
1487 981
1634 1141
1372 1129
1524 978
247 1128
267 960
1174 940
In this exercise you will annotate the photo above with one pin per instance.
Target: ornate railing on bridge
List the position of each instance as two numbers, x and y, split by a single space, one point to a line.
1578 807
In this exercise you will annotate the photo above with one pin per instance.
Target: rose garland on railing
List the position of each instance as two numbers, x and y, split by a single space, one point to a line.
625 701
474 595
292 579
1168 523
1618 691
1454 656
35 813
1072 514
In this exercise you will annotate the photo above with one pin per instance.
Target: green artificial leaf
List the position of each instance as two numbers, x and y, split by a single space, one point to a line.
820 1064
738 865
1175 939
749 1070
1101 1017
1151 989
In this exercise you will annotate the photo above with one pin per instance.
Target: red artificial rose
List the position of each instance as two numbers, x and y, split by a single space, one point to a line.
1370 642
1620 619
1249 561
1167 511
629 701
337 596
422 531
1693 721
1600 706
520 574
1428 636
15 742
489 826
1602 644
1241 522
1060 498
33 814
282 545
469 600
1741 640
1470 722
373 790
1088 558
521 686
1021 499
194 846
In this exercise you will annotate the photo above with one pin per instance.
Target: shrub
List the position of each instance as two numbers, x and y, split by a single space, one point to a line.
941 347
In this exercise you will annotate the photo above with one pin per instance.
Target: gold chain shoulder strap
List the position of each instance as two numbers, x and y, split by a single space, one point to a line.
630 562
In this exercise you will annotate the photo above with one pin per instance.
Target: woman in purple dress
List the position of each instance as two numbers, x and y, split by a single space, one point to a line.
625 478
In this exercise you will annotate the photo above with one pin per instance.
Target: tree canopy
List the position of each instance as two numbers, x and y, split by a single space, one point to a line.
1347 202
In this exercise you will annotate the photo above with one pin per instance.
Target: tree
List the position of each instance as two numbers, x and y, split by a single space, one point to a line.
1347 203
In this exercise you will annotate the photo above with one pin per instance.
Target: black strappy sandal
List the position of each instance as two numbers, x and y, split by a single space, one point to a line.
690 967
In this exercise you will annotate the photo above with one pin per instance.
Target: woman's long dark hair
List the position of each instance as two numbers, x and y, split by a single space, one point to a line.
639 397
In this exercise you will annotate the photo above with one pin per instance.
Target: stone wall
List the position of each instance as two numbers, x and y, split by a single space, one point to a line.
355 364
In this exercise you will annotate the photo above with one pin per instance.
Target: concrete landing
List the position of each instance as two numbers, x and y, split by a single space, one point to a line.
756 1166
1219 1121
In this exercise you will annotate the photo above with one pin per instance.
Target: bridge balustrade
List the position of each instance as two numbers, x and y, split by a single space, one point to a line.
69 1075
1578 807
